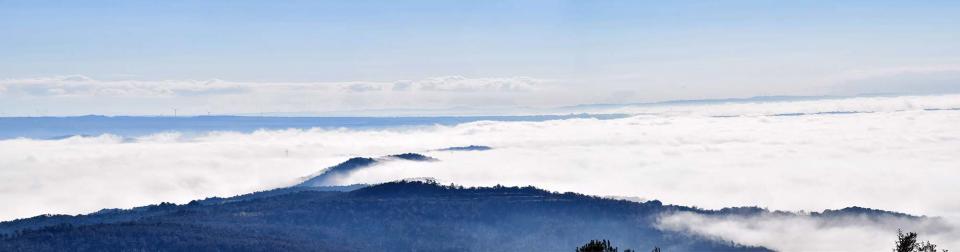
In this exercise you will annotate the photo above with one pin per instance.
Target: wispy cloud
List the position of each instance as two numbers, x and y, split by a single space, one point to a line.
929 79
77 94
79 85
463 84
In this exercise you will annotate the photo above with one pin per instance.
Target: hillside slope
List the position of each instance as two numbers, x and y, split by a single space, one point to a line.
396 216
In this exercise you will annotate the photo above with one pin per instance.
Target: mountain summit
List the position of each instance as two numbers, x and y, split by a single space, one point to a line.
329 176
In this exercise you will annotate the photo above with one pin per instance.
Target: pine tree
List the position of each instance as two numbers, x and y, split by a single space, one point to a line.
908 243
597 246
905 242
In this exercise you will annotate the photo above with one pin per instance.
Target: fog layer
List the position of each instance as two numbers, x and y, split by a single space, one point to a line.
900 155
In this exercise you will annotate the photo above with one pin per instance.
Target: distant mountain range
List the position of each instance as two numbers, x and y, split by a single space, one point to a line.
467 148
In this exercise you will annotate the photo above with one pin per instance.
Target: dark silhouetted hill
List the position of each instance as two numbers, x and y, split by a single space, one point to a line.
396 216
330 175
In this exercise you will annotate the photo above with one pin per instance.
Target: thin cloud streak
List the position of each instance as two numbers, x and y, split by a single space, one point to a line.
81 95
79 85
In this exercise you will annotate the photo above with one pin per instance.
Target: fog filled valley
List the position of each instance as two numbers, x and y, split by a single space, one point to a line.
807 174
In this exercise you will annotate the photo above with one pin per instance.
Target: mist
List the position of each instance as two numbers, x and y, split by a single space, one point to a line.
802 232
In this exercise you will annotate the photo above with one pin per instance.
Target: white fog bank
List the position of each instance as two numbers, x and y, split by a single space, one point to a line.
808 233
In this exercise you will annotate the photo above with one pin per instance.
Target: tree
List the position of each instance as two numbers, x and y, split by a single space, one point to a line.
597 246
908 243
604 246
905 242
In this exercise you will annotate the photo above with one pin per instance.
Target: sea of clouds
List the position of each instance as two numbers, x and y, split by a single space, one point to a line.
899 154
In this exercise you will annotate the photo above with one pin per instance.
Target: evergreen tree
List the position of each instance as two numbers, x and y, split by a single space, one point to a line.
597 246
908 243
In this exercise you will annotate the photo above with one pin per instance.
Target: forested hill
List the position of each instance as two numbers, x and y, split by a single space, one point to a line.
330 175
396 216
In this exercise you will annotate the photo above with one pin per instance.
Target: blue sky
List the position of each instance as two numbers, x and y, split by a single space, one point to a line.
584 51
